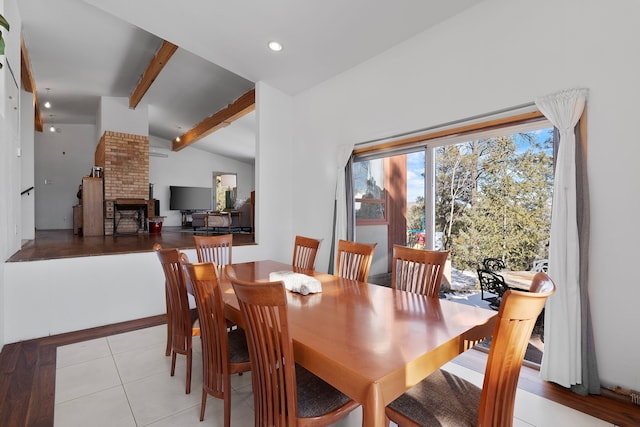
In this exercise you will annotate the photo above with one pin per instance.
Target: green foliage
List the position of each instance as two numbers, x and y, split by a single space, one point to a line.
455 178
415 221
494 200
5 24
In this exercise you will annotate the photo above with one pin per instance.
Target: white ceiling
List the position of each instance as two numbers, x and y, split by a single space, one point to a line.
82 52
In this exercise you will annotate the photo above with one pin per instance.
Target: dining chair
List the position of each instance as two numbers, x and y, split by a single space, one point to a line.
417 270
218 250
224 352
167 352
540 265
180 317
305 250
215 249
444 399
284 393
354 260
494 284
493 264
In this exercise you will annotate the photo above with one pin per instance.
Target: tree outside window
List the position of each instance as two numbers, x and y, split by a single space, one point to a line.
493 199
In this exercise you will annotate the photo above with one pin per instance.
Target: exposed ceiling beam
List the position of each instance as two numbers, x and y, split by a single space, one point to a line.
220 119
29 84
156 65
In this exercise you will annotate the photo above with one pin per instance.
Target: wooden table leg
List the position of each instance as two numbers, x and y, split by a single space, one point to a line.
373 408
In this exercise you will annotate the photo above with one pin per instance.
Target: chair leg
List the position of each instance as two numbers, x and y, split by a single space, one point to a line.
167 351
173 363
188 388
203 404
227 401
227 408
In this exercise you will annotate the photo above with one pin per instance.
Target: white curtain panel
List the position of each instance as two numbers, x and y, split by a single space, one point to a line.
340 231
562 358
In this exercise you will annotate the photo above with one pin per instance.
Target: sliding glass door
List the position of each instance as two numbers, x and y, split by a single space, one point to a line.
482 197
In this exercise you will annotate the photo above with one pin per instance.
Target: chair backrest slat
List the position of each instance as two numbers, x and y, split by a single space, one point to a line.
516 318
213 326
215 249
416 270
305 250
264 309
176 289
354 260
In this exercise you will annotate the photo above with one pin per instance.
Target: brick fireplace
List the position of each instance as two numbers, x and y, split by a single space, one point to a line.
124 158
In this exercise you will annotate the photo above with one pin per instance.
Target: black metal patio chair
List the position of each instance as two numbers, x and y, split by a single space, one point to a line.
493 264
493 283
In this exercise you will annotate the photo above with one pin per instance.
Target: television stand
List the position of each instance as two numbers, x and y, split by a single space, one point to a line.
187 218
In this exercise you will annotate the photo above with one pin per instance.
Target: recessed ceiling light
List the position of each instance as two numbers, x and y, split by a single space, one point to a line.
52 129
47 104
275 46
178 139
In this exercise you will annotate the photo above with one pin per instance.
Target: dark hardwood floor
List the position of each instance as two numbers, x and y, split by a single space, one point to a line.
51 244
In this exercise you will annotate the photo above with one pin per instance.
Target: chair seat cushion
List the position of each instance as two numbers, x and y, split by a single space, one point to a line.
238 350
315 396
441 399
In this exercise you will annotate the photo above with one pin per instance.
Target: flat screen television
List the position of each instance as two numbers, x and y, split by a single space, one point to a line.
190 198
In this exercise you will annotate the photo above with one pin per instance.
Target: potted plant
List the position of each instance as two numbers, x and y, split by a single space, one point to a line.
5 24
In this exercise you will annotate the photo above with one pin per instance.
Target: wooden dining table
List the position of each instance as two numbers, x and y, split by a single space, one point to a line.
369 341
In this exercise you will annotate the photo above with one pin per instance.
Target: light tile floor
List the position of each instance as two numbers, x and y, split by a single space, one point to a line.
123 380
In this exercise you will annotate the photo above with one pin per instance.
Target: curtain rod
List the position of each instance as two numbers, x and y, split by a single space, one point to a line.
451 123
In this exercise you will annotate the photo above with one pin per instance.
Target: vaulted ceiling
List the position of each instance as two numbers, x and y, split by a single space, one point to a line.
82 50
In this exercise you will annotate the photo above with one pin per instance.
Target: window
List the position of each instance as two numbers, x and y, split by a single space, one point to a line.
478 191
369 192
493 198
225 184
484 193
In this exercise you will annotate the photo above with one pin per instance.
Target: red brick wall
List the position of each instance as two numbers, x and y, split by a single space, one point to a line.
126 165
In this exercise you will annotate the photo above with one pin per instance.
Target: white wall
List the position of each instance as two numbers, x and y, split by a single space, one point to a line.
26 145
56 296
275 174
115 115
379 234
61 160
10 224
500 54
